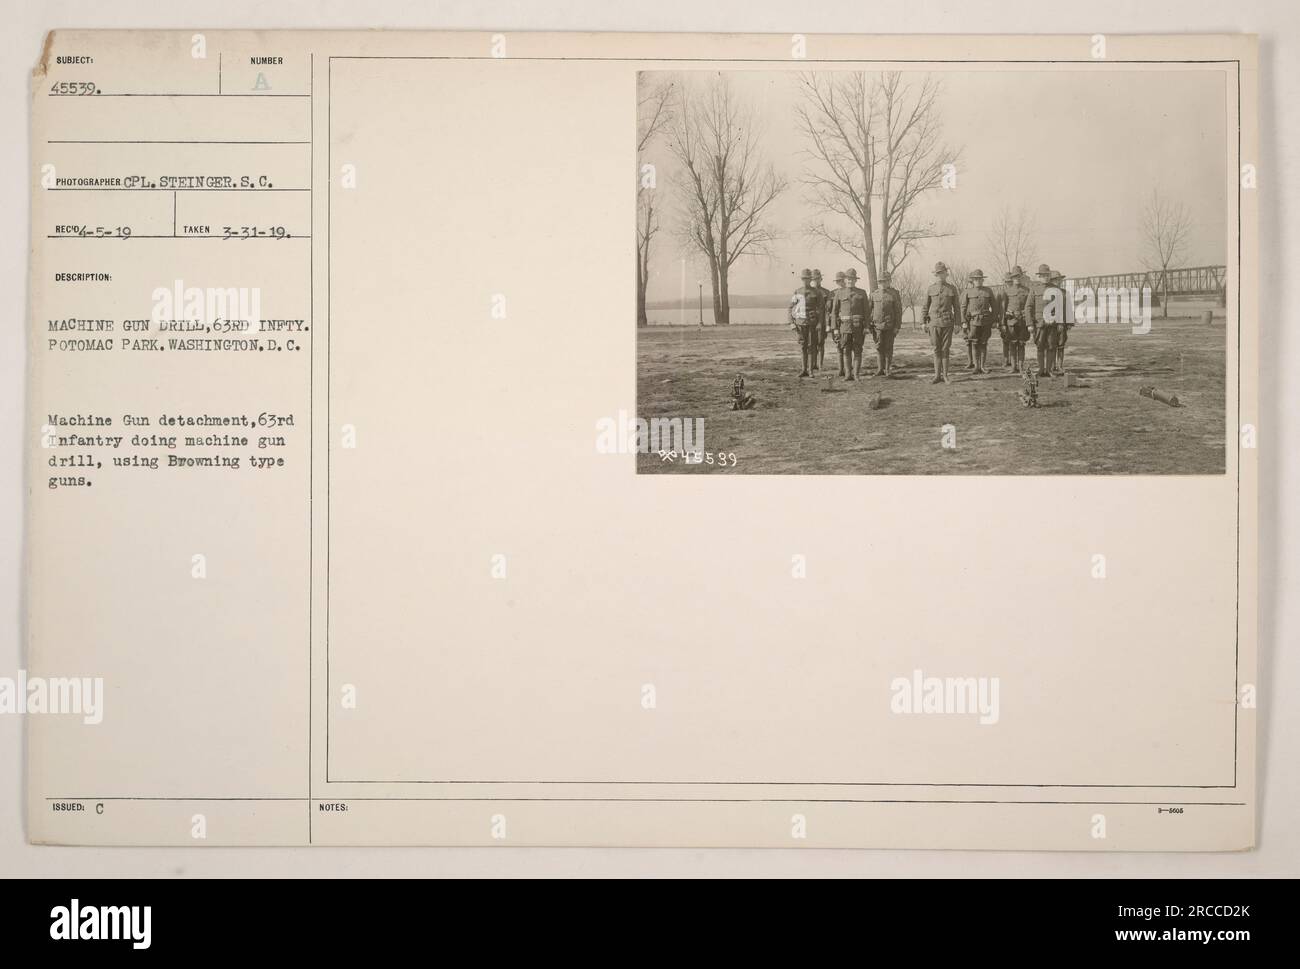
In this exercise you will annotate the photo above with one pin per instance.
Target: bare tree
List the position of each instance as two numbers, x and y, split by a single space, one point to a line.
877 147
653 115
1166 226
959 275
910 287
725 185
1011 239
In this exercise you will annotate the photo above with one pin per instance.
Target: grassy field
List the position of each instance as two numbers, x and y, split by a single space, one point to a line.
816 426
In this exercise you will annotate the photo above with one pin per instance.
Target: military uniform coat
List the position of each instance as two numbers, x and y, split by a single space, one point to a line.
978 307
806 312
940 307
849 316
885 308
1046 333
827 296
1014 297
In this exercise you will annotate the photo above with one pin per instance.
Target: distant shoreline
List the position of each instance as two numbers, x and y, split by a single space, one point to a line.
762 302
708 324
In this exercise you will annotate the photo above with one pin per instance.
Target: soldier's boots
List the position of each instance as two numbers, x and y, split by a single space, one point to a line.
947 378
880 364
1042 362
980 354
970 356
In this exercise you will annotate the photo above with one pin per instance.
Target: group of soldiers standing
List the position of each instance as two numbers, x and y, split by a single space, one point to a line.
847 315
1021 312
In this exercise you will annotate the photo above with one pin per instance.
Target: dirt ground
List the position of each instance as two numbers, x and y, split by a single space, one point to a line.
824 426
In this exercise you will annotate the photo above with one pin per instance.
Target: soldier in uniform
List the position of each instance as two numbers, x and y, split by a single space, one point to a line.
965 331
822 325
831 327
1015 331
977 310
938 317
1003 330
806 312
884 320
1063 329
849 313
1042 321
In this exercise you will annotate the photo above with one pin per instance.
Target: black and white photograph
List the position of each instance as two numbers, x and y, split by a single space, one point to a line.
342 540
1012 270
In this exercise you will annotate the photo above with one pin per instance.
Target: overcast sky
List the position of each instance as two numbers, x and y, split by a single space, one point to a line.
1081 149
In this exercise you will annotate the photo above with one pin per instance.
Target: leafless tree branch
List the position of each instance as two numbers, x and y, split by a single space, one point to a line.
724 186
876 146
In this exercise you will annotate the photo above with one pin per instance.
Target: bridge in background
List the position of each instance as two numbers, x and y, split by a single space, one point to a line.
1201 281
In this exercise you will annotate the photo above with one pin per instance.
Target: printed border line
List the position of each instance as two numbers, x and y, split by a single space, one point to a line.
787 60
329 380
329 444
311 421
1236 645
678 800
